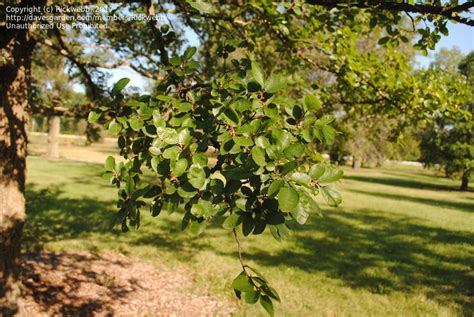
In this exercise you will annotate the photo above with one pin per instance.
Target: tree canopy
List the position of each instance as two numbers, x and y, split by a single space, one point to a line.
449 140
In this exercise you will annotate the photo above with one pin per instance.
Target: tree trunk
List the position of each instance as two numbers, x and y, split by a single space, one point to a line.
15 58
54 126
356 162
465 179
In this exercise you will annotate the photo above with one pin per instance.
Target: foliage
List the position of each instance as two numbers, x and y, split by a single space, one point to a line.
266 175
449 140
51 85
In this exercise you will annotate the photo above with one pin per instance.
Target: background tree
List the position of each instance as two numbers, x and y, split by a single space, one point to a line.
53 95
449 141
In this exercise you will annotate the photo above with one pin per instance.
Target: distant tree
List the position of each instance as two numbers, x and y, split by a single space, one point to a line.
53 95
448 59
449 141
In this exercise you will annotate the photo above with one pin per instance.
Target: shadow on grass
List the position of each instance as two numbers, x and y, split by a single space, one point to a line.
383 253
399 182
53 217
463 206
368 249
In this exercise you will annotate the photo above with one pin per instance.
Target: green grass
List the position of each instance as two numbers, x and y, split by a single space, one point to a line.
401 244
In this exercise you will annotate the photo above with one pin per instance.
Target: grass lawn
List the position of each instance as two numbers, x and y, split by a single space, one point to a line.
401 244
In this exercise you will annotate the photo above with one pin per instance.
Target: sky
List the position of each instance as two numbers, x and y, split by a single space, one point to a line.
135 78
460 35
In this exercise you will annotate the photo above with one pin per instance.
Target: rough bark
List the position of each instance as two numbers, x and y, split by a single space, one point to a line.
54 126
15 50
465 179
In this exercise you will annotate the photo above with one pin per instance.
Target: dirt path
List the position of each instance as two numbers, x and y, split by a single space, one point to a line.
85 284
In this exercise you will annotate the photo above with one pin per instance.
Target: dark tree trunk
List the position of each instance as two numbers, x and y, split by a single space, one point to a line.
15 58
54 127
465 179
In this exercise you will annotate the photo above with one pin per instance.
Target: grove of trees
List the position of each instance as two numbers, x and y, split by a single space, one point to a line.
262 93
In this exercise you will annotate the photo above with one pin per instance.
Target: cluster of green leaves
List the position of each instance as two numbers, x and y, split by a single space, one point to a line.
234 149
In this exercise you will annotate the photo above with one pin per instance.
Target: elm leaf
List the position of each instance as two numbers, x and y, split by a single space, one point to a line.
119 86
288 199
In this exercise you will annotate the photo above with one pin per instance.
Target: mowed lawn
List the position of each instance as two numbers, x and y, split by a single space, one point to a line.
401 244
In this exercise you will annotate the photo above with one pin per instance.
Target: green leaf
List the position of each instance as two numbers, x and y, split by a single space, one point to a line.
175 61
331 195
180 167
262 142
242 283
316 171
274 188
251 297
200 159
196 228
328 133
271 111
270 291
231 116
164 28
294 151
311 102
110 164
217 186
189 52
156 208
275 83
136 123
248 225
232 221
258 74
202 208
120 85
281 137
308 201
184 137
196 176
384 40
301 215
134 103
186 191
288 167
201 6
301 178
331 174
115 127
129 185
288 199
93 116
243 141
240 203
170 136
258 156
267 304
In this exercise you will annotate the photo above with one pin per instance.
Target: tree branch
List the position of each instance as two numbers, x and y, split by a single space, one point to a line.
449 12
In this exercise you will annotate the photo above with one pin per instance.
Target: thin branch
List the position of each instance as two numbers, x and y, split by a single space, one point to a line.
239 248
